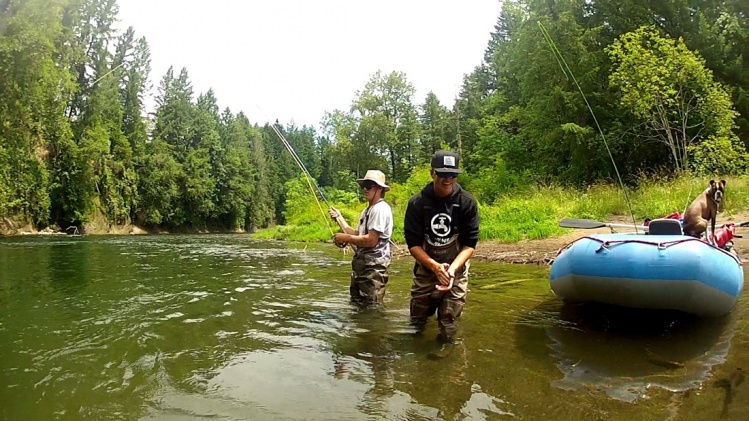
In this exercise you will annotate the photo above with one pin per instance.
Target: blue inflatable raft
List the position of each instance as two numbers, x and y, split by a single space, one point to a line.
669 272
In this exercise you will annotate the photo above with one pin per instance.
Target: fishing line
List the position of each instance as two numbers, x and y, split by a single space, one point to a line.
689 195
300 163
307 176
105 74
570 76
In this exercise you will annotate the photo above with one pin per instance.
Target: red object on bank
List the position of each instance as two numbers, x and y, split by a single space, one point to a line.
724 234
675 215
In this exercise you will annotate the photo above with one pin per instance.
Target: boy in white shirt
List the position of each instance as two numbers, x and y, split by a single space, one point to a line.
372 240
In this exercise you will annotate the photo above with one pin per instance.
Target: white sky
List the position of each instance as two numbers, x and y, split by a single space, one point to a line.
296 59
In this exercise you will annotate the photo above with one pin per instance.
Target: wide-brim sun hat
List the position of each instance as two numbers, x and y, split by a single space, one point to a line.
375 176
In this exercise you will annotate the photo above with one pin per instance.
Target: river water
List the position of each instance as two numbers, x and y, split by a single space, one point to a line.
224 326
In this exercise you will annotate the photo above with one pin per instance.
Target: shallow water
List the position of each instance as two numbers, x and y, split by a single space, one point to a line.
189 327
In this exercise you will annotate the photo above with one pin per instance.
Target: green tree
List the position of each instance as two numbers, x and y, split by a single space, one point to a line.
262 207
468 114
304 143
388 121
136 56
526 107
435 127
90 29
347 147
721 36
197 188
108 165
235 185
673 95
159 185
33 87
175 113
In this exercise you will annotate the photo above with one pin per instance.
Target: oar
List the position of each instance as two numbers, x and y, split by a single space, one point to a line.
591 224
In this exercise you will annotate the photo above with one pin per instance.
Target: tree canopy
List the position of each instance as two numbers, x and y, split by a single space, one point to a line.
668 83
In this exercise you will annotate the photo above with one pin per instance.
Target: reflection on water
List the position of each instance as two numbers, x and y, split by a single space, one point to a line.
189 327
625 352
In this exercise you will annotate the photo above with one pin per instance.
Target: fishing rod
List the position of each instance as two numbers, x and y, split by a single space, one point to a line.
300 163
310 182
298 160
568 73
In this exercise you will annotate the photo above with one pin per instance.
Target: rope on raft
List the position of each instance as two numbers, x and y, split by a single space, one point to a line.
662 245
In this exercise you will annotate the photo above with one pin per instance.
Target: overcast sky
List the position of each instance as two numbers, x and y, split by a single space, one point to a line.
297 59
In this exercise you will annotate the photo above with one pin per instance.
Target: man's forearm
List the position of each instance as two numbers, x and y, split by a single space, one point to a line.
423 258
368 240
345 226
461 259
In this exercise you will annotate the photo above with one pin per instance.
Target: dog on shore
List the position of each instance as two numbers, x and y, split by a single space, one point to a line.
704 209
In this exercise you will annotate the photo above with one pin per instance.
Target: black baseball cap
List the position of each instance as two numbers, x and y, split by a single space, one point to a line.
446 161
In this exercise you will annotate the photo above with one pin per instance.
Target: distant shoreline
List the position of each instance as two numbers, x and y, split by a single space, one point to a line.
8 230
535 252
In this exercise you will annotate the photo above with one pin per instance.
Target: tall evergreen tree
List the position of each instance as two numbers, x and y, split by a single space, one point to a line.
175 113
262 206
33 131
159 186
136 56
435 127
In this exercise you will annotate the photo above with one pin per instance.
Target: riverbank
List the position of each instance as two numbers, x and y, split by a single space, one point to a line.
538 252
543 252
10 227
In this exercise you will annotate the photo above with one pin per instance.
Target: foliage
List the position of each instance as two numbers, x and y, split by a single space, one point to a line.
513 218
305 219
719 155
77 143
532 214
381 129
159 185
5 170
435 127
669 89
33 86
399 194
493 182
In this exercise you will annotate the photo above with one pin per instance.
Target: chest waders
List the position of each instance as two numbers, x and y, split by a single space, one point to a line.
425 299
369 275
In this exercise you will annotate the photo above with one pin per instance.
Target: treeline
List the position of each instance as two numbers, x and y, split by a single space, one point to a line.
668 85
666 91
76 143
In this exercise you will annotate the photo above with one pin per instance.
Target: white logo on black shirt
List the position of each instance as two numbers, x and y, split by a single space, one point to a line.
441 224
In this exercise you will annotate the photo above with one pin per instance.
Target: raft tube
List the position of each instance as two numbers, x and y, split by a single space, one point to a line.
668 272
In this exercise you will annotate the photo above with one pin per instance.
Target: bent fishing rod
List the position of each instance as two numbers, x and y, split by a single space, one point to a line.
299 162
316 190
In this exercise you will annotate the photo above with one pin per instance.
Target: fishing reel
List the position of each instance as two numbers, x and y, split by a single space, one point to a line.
339 245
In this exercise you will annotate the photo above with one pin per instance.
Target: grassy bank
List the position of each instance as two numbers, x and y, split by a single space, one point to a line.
532 213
